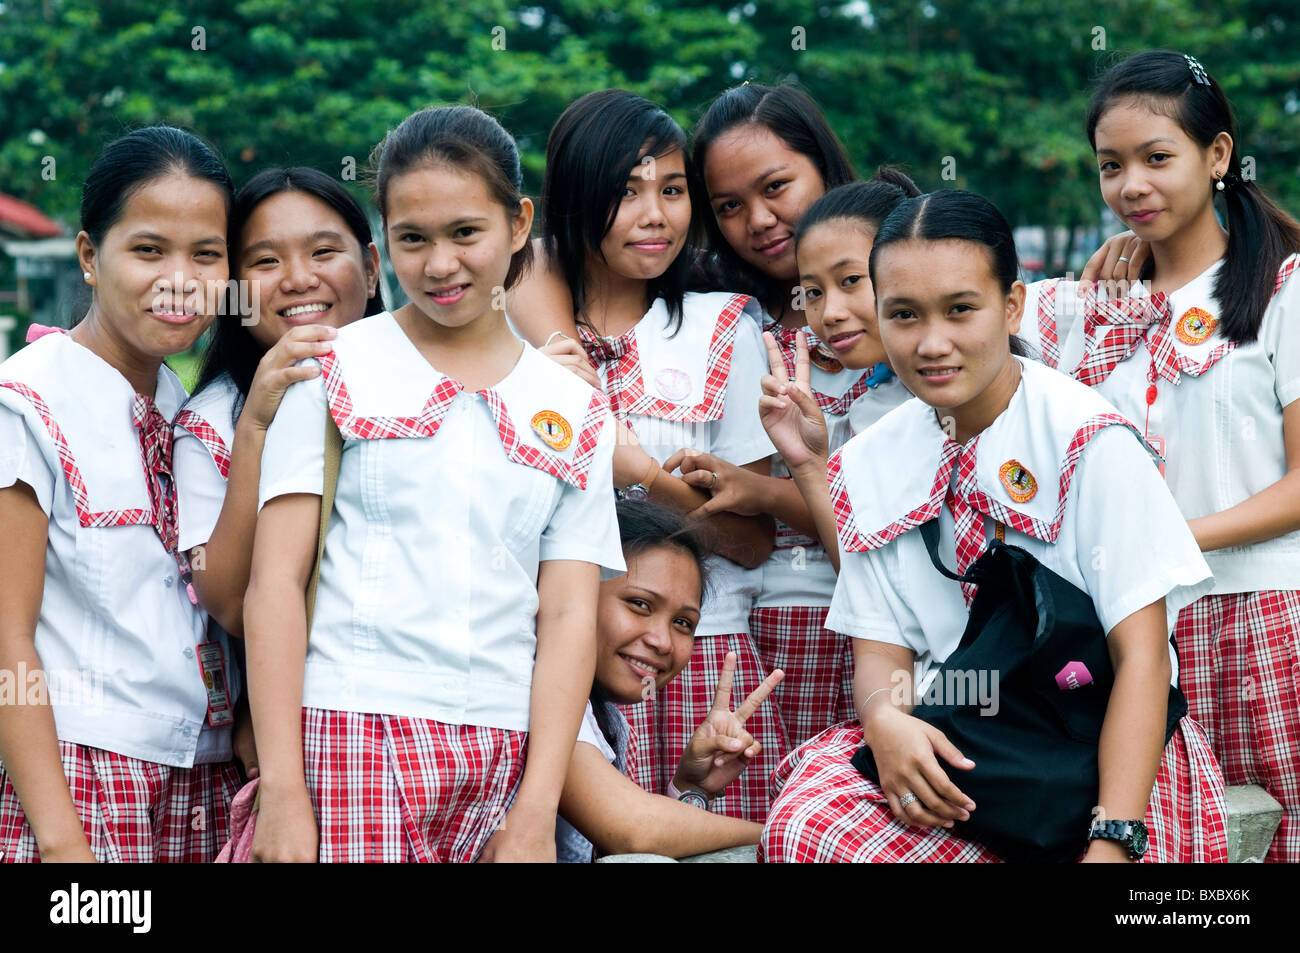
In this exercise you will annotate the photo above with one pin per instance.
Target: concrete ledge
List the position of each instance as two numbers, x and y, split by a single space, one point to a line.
731 855
635 859
1253 817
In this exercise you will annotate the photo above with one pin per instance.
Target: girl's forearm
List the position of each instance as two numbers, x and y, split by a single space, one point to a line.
881 679
1272 512
276 636
562 675
1132 738
810 481
783 499
222 578
29 750
656 824
745 540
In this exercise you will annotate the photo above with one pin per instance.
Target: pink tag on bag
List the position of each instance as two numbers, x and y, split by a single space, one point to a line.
1074 675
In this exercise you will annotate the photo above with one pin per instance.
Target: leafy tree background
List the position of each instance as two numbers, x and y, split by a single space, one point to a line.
991 91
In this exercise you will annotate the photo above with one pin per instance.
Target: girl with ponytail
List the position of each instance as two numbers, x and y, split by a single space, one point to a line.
1204 356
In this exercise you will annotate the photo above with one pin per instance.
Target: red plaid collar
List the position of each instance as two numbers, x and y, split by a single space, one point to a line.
571 467
625 376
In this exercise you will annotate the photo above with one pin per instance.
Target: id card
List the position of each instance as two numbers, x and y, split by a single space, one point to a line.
212 666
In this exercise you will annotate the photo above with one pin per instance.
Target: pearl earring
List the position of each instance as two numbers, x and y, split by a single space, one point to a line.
86 275
1218 185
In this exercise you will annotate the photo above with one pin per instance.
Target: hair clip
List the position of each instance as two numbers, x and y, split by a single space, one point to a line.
1198 71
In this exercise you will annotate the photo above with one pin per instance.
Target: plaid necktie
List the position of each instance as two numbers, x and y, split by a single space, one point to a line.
1125 321
614 354
969 522
155 435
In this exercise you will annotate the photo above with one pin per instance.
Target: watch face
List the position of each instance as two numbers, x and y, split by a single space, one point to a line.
1139 839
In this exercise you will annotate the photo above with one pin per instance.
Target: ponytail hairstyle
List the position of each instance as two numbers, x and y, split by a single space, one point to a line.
867 202
592 149
1260 234
463 138
955 214
793 117
234 350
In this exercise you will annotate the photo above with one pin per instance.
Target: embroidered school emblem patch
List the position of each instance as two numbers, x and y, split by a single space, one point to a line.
1195 326
1020 483
552 428
825 360
673 384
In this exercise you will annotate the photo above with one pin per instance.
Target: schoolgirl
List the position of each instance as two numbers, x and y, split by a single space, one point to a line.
1204 358
454 619
681 370
991 441
767 154
121 750
647 618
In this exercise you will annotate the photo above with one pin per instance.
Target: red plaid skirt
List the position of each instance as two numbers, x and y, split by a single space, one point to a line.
1240 671
817 690
132 811
662 725
398 789
825 811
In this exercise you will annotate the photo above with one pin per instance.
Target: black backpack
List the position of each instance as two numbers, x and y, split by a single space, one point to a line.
1035 780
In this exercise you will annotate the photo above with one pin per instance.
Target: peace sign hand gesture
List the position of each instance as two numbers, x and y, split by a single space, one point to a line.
788 411
721 748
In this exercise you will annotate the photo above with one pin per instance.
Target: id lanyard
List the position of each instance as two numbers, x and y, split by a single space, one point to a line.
1157 442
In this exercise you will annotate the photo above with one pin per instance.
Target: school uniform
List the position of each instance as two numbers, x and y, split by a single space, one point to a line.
1045 470
418 676
571 846
789 616
1215 409
141 694
698 388
204 436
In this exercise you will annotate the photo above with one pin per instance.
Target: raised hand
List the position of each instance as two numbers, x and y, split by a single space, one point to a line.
568 353
788 411
279 368
721 748
1105 264
731 489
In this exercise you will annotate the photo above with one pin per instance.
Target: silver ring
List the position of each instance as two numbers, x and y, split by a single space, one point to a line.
715 479
907 799
1121 258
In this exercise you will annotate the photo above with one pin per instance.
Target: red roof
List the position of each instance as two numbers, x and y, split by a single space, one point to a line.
26 218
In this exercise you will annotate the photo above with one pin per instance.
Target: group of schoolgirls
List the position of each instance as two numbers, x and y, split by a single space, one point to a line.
783 373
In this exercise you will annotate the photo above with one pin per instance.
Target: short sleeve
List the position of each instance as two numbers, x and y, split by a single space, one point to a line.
1283 318
200 489
867 603
739 437
1133 547
589 732
22 459
584 525
293 457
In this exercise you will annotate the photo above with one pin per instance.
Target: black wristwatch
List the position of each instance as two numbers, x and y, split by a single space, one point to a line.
1132 834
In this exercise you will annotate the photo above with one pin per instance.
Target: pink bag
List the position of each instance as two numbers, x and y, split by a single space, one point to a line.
243 822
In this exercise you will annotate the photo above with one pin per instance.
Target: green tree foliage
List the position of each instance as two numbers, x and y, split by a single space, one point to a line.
984 94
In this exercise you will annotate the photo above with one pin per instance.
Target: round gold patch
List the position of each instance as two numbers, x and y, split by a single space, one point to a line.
1020 483
552 428
1195 326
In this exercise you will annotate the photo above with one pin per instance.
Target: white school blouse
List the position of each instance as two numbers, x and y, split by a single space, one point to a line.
117 634
699 388
1222 429
447 502
204 436
1100 516
799 573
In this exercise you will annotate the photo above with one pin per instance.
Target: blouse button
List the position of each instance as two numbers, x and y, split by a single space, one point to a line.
189 652
168 580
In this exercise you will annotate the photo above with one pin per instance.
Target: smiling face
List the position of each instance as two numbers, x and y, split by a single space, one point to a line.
841 303
450 242
759 189
1154 177
160 271
645 623
946 325
309 267
652 221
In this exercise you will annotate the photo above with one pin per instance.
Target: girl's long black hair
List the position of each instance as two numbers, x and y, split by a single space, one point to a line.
1260 233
